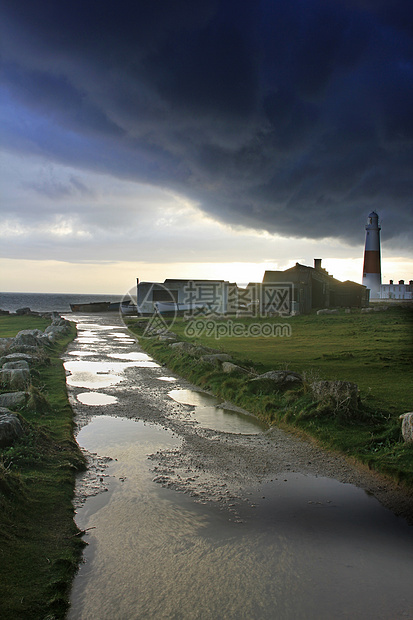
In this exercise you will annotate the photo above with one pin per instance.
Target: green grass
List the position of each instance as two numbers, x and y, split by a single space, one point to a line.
373 350
40 548
11 324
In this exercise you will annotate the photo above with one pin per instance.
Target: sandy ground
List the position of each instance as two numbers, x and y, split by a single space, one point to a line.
211 466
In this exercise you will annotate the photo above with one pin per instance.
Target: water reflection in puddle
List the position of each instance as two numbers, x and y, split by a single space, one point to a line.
166 379
81 353
97 327
133 356
107 434
96 398
209 415
88 374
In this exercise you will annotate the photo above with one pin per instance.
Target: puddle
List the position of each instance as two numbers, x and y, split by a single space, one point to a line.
193 397
96 398
209 415
97 326
90 380
82 340
133 356
107 434
307 547
87 333
81 353
166 378
88 374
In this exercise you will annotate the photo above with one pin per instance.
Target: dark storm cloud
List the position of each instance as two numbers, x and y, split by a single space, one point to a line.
291 116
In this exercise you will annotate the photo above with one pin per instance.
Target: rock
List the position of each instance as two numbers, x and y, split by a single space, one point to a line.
216 358
229 367
366 310
21 311
4 342
344 394
28 337
22 348
17 364
280 378
10 427
184 347
13 400
189 348
16 357
14 378
166 338
407 426
328 311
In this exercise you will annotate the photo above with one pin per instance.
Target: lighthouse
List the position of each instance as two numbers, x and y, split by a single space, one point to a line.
372 268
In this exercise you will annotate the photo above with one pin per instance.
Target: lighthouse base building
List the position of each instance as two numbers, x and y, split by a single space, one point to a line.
397 291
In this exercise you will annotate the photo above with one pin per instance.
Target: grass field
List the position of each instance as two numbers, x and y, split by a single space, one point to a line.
372 350
40 548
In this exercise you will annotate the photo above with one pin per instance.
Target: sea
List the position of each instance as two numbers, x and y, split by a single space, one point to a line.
49 302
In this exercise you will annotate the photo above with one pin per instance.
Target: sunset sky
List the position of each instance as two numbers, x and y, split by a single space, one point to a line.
211 139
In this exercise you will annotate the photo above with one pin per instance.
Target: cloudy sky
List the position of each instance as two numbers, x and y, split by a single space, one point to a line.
173 138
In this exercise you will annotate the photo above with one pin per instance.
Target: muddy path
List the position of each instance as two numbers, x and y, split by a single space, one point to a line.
210 465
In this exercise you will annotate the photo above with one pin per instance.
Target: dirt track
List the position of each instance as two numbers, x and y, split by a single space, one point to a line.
210 465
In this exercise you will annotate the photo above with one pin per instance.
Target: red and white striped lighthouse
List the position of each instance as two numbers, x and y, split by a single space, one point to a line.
371 267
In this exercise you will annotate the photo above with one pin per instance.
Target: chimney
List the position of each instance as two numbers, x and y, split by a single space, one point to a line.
391 281
401 281
317 263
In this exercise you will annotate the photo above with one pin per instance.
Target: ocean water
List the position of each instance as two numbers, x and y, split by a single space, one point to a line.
49 302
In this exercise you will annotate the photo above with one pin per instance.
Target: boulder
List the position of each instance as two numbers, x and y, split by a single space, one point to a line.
216 358
5 344
343 394
10 427
14 378
407 426
16 357
13 400
190 349
328 311
166 338
21 311
280 378
28 337
17 364
229 368
59 327
184 347
23 348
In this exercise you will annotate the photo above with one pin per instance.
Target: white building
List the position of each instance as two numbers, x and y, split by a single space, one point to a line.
396 291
